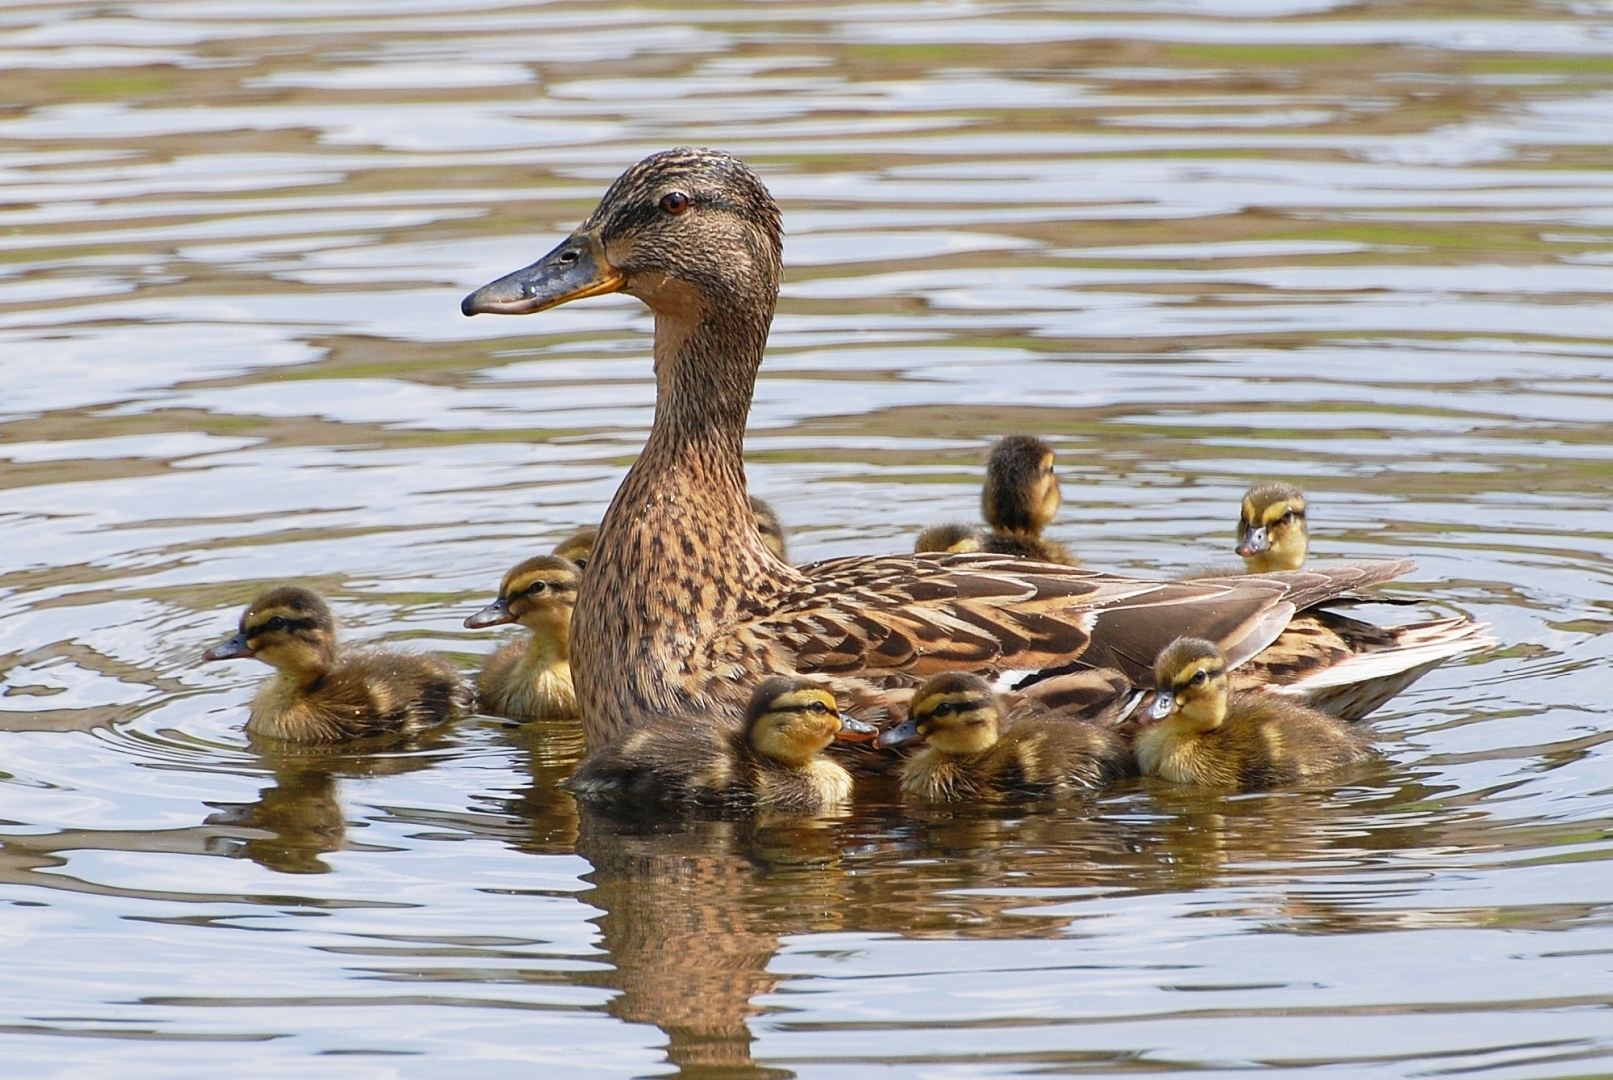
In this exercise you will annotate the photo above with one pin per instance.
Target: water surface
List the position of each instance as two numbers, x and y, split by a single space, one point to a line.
1365 247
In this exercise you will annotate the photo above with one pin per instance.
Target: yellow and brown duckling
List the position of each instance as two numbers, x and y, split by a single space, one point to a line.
1200 734
530 678
321 696
1020 497
577 548
1271 528
773 762
951 538
973 751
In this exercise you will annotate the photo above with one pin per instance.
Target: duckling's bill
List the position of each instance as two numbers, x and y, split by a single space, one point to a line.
573 270
852 730
1164 705
495 614
234 648
900 735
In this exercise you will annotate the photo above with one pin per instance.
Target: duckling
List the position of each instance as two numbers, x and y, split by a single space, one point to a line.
952 538
1271 528
1020 497
321 697
968 755
771 528
771 762
530 679
577 548
1248 741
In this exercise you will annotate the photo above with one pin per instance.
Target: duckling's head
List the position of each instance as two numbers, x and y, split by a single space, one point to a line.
1022 491
771 528
955 713
790 720
289 628
578 548
1271 528
538 593
685 227
953 538
1190 679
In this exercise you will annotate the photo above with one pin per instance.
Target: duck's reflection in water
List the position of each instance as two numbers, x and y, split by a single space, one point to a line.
298 816
694 909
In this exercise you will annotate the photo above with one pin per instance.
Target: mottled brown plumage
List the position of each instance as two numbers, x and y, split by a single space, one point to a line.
1248 741
320 696
975 750
772 762
683 607
1271 528
530 678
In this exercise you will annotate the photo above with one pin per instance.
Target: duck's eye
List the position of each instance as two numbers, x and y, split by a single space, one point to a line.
946 708
569 256
1286 519
674 202
1200 677
537 587
818 707
276 623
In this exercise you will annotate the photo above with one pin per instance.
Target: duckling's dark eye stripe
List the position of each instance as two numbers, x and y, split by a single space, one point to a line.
286 624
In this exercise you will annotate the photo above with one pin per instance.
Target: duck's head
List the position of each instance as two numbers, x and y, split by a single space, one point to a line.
577 548
952 538
1190 680
538 593
771 528
289 628
790 720
685 227
956 713
1271 528
1022 491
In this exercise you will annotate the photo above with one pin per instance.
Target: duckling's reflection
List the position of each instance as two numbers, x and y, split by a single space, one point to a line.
694 909
299 817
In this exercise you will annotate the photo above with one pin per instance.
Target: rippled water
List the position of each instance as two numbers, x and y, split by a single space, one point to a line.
1367 247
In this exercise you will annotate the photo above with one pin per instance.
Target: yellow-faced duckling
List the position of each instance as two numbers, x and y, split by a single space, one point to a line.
968 754
319 696
1271 528
772 762
952 538
1201 735
577 548
530 679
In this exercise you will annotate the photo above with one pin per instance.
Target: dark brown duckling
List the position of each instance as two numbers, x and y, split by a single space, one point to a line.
530 678
973 751
1271 528
1020 497
1247 741
319 696
773 762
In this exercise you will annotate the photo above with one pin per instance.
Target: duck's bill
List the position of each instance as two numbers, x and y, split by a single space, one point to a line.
230 649
855 730
902 733
1164 705
495 614
575 269
1254 543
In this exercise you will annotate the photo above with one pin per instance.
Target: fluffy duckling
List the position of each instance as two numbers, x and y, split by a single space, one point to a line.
771 762
321 697
969 755
1248 741
1271 528
577 548
952 538
530 679
1020 497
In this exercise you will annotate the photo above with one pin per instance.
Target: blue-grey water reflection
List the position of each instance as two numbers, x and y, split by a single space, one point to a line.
1193 242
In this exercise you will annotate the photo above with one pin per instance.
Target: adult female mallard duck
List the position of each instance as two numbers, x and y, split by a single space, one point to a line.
773 761
1203 735
320 696
579 546
531 679
973 751
684 606
1271 528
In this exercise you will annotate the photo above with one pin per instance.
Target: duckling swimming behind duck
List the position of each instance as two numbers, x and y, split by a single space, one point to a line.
320 697
1020 497
530 679
579 546
772 762
1248 741
968 755
1271 528
952 538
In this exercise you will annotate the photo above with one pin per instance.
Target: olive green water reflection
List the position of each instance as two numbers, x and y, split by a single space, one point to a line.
1364 247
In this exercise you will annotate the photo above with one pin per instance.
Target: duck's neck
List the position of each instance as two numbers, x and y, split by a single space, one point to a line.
679 557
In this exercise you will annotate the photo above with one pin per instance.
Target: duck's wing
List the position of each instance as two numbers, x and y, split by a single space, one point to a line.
899 618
